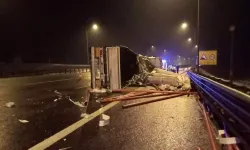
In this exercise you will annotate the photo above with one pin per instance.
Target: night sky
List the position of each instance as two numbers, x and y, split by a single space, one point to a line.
41 31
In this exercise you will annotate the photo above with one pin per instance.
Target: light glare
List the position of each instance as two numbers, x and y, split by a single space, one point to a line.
184 25
95 26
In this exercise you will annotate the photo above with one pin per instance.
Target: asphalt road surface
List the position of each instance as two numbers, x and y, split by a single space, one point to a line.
44 102
167 125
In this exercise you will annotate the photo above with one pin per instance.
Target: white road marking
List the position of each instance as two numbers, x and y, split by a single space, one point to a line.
81 87
53 81
50 81
58 136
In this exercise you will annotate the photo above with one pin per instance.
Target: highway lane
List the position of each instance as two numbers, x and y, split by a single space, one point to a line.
172 124
34 98
14 81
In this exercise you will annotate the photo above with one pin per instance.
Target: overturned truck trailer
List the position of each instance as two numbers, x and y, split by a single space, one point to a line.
112 67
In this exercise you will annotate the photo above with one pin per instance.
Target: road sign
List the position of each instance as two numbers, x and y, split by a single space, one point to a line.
208 57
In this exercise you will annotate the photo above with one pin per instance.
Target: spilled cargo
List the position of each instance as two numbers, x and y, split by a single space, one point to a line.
119 67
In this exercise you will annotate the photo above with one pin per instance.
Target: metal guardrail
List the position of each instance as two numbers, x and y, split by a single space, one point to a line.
230 106
242 87
10 70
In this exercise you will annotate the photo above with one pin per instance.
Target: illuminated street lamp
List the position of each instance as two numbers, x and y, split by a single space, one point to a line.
184 26
94 27
152 50
164 52
196 46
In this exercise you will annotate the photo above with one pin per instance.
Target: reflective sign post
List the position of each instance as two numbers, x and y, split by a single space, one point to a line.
207 57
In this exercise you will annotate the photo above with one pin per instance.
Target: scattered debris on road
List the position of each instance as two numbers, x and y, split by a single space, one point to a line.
84 115
76 103
152 100
65 148
55 100
96 90
104 120
58 93
151 91
23 121
147 95
10 104
120 97
64 139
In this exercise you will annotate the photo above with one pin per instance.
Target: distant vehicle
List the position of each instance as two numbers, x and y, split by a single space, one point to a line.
183 68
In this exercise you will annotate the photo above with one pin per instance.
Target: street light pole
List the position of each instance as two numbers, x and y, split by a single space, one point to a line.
94 27
87 46
153 50
198 35
231 29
